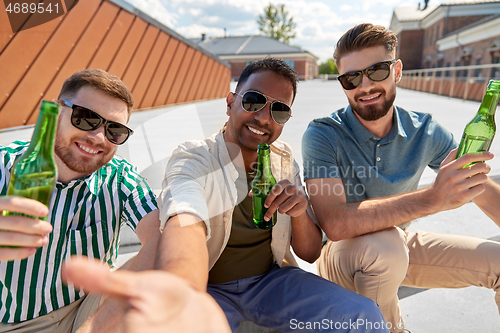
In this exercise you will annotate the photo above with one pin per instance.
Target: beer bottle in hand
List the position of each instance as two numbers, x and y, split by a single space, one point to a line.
479 132
34 174
261 186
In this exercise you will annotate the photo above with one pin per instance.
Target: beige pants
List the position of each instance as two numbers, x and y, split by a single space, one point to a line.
375 265
64 320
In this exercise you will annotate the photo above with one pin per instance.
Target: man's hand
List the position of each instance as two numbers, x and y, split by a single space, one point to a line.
26 234
153 301
287 199
455 185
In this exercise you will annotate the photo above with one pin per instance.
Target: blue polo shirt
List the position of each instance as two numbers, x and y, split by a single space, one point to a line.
339 146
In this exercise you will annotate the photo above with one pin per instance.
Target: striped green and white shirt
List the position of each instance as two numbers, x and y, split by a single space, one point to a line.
86 216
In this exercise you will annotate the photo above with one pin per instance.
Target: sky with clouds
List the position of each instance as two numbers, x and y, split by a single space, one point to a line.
319 22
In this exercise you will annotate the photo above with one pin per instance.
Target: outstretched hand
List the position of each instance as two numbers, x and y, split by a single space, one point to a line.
152 301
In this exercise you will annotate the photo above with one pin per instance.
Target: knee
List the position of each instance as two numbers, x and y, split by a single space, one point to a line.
385 250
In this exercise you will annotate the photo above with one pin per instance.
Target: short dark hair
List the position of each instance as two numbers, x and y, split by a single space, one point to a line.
98 79
275 65
362 36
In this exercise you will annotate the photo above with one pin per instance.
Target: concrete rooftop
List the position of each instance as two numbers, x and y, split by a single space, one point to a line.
158 132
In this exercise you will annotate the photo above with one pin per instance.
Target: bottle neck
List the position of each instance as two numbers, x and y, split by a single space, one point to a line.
43 137
264 163
490 100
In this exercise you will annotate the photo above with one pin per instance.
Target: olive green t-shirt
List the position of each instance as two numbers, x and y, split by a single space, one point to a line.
248 251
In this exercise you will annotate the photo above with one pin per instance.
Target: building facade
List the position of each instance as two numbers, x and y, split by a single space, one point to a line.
239 51
455 33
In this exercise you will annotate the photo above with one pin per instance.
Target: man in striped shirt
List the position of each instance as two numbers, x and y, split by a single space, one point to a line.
96 193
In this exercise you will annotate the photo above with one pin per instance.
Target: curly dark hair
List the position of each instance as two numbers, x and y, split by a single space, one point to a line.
275 65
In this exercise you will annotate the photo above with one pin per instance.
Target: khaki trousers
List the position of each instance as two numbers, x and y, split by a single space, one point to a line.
64 320
375 265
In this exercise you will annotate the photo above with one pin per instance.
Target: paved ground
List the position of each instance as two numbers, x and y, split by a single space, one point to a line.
158 131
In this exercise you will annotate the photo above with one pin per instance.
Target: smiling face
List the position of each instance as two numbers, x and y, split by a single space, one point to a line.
249 129
371 100
79 153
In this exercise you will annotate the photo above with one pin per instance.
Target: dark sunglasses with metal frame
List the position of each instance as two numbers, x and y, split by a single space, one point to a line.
377 72
87 120
253 101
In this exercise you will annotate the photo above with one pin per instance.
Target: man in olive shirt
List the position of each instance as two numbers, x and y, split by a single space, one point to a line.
209 234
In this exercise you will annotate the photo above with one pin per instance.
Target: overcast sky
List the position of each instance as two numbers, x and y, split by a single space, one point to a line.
319 22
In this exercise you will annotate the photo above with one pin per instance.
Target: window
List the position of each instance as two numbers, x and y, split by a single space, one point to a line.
448 73
466 63
459 72
478 70
495 72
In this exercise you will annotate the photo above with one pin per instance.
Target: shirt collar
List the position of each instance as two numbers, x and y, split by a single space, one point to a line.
362 134
92 182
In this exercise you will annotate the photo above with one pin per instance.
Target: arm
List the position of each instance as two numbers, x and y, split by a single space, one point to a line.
288 199
109 314
183 250
26 233
488 201
150 299
148 232
453 187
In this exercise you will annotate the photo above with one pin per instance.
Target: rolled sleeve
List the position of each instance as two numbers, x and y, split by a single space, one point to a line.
184 187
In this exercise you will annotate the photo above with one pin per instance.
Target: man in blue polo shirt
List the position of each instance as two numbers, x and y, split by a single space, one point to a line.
362 165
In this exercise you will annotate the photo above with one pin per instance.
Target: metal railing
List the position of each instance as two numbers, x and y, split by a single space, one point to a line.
466 82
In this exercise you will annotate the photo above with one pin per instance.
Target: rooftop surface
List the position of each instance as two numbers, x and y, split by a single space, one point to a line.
159 131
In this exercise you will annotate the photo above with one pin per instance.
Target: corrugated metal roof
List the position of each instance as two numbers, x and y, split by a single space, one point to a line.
157 67
243 45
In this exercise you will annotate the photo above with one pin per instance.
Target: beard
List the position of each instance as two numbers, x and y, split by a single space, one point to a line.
80 164
374 111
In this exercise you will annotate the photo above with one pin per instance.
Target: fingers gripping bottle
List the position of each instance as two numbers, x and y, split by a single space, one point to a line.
261 186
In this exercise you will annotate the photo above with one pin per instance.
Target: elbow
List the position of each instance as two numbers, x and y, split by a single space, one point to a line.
335 231
311 256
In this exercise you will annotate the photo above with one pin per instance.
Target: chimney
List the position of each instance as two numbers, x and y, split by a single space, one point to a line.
203 37
426 2
225 33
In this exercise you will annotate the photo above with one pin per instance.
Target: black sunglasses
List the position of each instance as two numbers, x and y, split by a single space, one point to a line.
378 72
253 101
87 120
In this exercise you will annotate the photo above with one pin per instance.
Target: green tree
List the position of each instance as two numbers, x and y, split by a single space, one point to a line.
275 23
328 67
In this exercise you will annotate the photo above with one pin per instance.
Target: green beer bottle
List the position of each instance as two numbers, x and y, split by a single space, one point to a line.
34 174
261 186
479 132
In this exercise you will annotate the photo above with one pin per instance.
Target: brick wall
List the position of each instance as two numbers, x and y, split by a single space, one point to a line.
409 48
